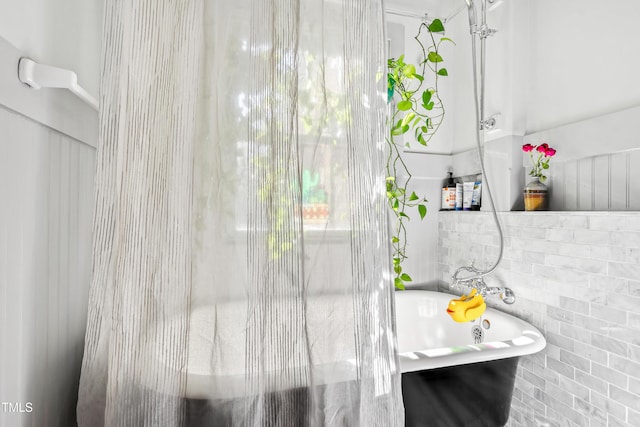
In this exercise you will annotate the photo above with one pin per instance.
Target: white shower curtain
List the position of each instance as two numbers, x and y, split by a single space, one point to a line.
241 257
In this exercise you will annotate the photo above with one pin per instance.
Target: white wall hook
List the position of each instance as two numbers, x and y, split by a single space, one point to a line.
39 76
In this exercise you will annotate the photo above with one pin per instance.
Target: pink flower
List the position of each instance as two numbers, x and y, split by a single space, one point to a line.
539 162
542 148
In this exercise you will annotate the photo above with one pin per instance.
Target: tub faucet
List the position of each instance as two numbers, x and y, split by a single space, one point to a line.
476 281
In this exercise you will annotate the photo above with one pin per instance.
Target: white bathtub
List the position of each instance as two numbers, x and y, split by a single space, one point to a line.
428 338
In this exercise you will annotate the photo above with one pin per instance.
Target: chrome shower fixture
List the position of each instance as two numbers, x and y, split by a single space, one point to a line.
494 4
473 20
476 275
490 123
482 30
476 281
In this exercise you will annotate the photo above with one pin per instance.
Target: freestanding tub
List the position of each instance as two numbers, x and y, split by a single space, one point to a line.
458 374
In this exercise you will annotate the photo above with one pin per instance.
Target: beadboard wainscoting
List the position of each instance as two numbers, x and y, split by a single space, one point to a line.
576 276
609 182
47 163
45 269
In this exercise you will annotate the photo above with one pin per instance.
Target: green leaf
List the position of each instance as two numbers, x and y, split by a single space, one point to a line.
434 57
408 118
436 26
426 97
419 77
422 209
395 205
405 277
447 39
396 261
404 105
404 129
395 239
443 72
421 140
397 269
429 106
413 197
409 70
399 283
404 215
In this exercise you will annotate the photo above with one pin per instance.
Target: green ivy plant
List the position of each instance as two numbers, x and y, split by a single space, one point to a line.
418 111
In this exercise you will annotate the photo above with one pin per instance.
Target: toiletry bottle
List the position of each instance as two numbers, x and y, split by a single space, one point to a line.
459 193
449 194
467 195
477 194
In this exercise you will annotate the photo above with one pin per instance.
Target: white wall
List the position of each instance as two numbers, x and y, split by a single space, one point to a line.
551 63
62 33
47 160
584 60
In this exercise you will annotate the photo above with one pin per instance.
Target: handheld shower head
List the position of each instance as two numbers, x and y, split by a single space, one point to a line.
472 14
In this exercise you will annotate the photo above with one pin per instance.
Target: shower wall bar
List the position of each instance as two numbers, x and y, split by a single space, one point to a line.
406 14
424 16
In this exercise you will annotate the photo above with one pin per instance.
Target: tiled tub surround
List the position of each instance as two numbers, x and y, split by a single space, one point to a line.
576 276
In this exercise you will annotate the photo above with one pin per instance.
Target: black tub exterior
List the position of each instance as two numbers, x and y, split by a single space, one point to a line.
473 395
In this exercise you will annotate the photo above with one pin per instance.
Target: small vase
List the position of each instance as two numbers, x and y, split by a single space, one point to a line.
315 213
535 196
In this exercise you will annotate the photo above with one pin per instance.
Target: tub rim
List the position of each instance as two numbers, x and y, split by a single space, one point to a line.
529 342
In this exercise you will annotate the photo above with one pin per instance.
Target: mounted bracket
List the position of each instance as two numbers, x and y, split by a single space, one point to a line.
39 76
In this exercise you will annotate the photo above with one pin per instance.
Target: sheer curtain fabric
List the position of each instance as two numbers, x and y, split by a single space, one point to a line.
241 257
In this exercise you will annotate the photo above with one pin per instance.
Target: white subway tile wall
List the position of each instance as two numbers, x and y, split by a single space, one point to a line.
576 276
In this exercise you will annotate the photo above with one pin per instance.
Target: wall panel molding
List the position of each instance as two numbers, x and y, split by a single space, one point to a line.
57 109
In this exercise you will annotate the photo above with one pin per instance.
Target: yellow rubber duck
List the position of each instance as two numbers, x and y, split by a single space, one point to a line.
467 307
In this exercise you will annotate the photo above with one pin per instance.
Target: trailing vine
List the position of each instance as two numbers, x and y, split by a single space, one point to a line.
418 109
